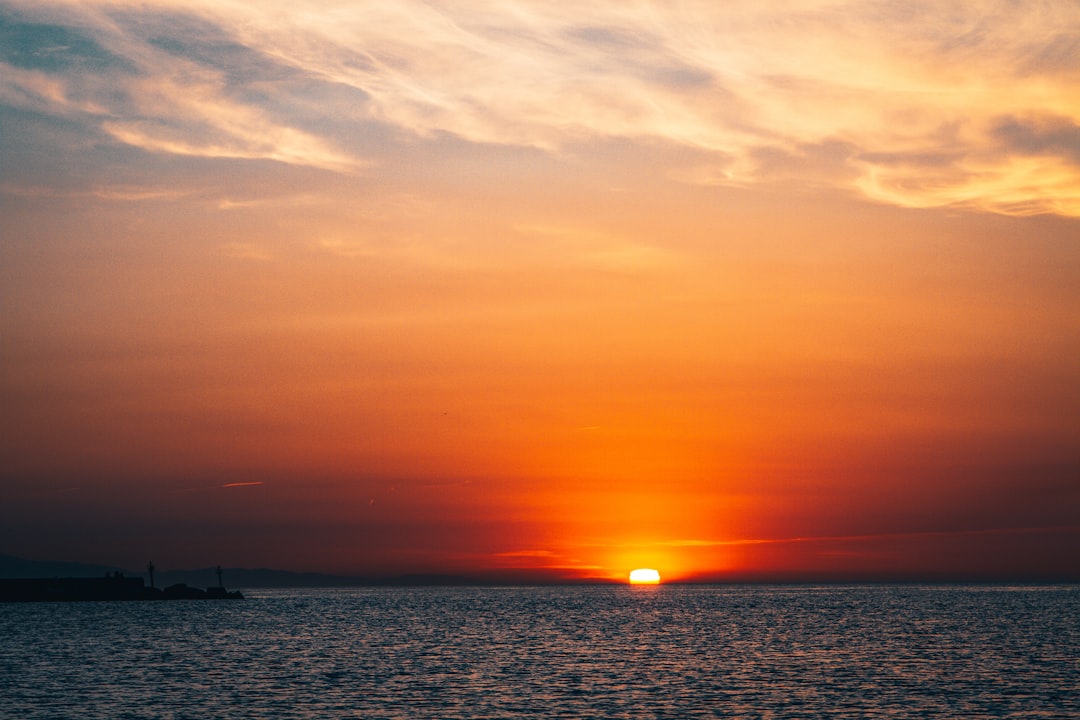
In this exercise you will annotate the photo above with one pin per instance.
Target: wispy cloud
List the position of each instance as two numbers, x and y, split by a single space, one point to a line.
109 193
691 543
151 98
985 87
206 488
526 554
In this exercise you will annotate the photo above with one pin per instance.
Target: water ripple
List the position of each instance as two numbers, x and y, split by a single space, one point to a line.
564 652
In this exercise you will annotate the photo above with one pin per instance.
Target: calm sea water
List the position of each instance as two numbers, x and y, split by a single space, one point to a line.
569 652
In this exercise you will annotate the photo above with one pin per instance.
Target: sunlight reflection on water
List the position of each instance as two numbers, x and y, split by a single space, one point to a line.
614 652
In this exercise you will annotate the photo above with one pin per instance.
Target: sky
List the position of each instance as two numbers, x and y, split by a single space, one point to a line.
745 290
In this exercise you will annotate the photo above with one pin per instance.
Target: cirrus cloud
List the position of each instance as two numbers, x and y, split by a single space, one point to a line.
961 103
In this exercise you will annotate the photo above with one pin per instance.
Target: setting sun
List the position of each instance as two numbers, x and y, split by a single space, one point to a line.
644 576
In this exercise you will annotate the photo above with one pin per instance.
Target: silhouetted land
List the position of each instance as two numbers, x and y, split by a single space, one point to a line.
24 580
188 581
16 567
113 586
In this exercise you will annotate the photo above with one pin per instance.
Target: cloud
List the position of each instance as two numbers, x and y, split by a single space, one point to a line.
150 98
1003 531
204 488
966 103
109 193
1048 136
526 554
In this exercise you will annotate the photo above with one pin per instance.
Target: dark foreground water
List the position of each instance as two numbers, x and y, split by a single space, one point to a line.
573 652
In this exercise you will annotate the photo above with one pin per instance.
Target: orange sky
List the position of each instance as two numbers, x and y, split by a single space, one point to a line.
776 290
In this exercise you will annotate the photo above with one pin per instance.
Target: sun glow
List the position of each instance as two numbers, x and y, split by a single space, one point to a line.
644 576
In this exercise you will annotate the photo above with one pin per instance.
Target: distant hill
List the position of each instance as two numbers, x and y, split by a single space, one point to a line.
16 567
269 578
241 578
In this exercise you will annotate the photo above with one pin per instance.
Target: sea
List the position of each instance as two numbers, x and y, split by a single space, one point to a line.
667 651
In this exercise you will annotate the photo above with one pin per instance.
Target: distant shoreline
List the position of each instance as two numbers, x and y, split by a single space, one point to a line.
111 587
23 569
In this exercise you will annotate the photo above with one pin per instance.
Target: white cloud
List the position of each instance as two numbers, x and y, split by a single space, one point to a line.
888 80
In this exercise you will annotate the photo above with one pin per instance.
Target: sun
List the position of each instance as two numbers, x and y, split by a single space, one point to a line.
644 576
